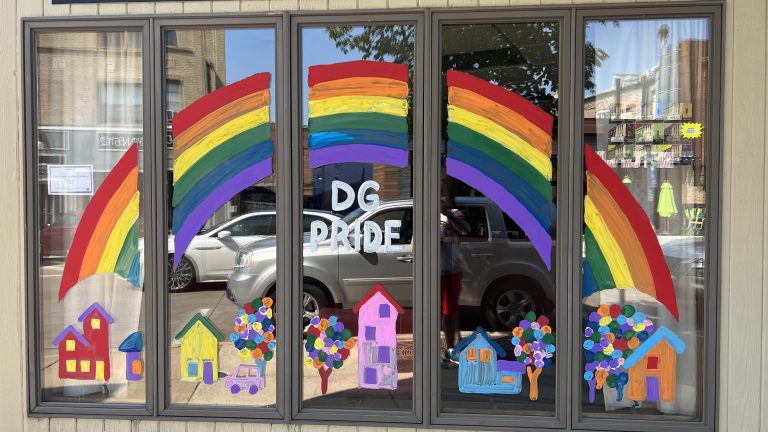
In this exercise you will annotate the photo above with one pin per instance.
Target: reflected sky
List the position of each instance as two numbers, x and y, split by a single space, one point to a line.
619 39
249 51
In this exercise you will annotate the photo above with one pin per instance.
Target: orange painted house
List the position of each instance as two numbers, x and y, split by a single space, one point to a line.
653 367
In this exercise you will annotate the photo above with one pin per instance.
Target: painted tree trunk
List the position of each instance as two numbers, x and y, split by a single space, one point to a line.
592 385
619 391
324 374
533 379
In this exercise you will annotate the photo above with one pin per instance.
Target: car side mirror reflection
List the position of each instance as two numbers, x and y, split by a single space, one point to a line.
224 234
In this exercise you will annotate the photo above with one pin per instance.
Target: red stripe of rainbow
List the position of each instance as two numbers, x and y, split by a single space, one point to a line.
124 175
628 224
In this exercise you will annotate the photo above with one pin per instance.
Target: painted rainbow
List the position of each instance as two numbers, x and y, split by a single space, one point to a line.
107 237
358 113
222 145
501 144
622 250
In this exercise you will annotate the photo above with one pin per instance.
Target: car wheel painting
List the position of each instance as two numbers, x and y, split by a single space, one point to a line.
182 276
235 389
253 390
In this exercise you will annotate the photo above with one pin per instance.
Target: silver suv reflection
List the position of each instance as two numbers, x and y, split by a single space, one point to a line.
502 273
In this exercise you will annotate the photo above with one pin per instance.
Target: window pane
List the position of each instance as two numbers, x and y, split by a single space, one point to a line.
497 224
645 130
90 166
357 122
220 93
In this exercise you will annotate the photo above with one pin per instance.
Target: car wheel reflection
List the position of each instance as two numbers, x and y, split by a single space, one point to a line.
182 276
511 306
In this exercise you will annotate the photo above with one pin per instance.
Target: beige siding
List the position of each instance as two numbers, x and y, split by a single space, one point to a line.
744 304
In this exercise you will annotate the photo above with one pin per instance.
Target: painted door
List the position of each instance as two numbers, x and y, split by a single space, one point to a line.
99 370
208 371
652 389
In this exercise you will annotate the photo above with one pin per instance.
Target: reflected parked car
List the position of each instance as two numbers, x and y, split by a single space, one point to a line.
56 238
503 273
212 252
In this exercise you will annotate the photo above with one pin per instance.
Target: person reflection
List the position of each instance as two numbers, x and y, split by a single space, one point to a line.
453 225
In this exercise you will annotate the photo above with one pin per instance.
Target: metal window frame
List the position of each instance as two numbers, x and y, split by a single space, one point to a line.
36 406
166 408
713 183
425 168
301 414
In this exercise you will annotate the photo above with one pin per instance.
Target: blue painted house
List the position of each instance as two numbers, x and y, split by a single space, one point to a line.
481 371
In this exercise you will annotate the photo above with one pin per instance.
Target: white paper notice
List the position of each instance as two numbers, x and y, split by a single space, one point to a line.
70 179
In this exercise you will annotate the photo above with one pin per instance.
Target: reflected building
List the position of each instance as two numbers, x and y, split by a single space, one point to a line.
637 123
88 122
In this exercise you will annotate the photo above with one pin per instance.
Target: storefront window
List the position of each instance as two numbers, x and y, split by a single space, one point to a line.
646 206
90 224
431 191
498 177
357 87
220 95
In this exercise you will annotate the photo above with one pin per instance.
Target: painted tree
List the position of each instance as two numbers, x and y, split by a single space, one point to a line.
534 344
254 332
328 344
612 334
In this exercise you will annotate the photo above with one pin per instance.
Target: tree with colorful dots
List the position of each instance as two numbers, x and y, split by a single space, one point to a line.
534 344
327 344
254 332
612 334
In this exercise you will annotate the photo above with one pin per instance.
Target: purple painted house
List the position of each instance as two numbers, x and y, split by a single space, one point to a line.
377 339
132 347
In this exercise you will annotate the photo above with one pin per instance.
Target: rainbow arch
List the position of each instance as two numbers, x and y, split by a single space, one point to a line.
222 145
358 113
106 239
501 144
621 247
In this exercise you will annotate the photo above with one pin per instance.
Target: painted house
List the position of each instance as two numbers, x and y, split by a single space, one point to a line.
132 347
377 339
85 356
481 370
653 367
200 350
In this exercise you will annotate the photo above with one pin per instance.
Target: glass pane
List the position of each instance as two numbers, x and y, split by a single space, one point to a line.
90 165
220 93
497 224
357 90
645 135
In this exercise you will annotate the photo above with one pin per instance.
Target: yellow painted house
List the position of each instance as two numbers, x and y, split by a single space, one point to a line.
200 350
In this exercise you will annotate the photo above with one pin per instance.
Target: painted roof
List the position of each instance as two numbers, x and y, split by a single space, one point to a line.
378 288
482 333
74 332
204 321
662 333
97 307
133 343
510 366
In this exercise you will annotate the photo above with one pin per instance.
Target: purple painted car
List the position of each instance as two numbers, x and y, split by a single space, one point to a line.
245 377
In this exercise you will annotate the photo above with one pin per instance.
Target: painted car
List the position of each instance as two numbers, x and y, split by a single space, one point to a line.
245 377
